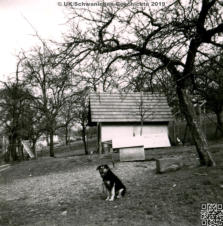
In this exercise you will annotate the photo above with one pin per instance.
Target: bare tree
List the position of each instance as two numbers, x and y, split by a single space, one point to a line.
51 83
81 114
67 117
176 37
144 110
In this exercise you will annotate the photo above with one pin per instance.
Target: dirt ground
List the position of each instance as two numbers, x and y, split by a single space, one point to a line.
67 191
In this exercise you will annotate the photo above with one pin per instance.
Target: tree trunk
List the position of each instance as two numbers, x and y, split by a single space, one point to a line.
84 139
20 149
12 147
6 153
51 144
99 138
195 128
141 112
141 127
66 135
219 123
34 148
22 152
47 139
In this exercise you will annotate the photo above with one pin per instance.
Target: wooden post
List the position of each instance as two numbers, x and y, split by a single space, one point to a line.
99 138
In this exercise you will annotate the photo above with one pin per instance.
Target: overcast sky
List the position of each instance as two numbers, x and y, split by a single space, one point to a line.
16 33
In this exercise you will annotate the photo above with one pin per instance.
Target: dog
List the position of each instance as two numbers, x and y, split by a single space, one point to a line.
114 187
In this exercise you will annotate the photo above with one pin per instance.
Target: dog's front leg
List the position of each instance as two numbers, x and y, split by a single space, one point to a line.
108 196
105 190
112 193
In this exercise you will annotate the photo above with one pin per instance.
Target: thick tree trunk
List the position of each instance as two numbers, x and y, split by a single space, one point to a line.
195 128
12 147
51 144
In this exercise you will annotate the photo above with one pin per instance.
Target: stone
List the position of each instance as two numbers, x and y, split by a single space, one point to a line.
168 164
64 213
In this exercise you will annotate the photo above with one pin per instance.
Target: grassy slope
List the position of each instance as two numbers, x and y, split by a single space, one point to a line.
67 191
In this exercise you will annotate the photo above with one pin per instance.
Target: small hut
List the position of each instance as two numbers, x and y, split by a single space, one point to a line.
132 121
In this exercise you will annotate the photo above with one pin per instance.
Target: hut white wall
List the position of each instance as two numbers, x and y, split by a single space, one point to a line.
153 135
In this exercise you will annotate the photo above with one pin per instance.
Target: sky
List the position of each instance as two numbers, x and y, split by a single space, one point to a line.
16 33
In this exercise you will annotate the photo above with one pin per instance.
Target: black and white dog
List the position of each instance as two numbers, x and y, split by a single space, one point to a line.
114 187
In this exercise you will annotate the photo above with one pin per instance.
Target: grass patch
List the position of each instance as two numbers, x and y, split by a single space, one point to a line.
67 191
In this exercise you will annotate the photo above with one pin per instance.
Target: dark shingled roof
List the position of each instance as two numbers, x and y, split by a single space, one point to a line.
116 107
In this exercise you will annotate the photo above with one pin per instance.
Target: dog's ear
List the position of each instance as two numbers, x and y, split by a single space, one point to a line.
106 166
98 168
